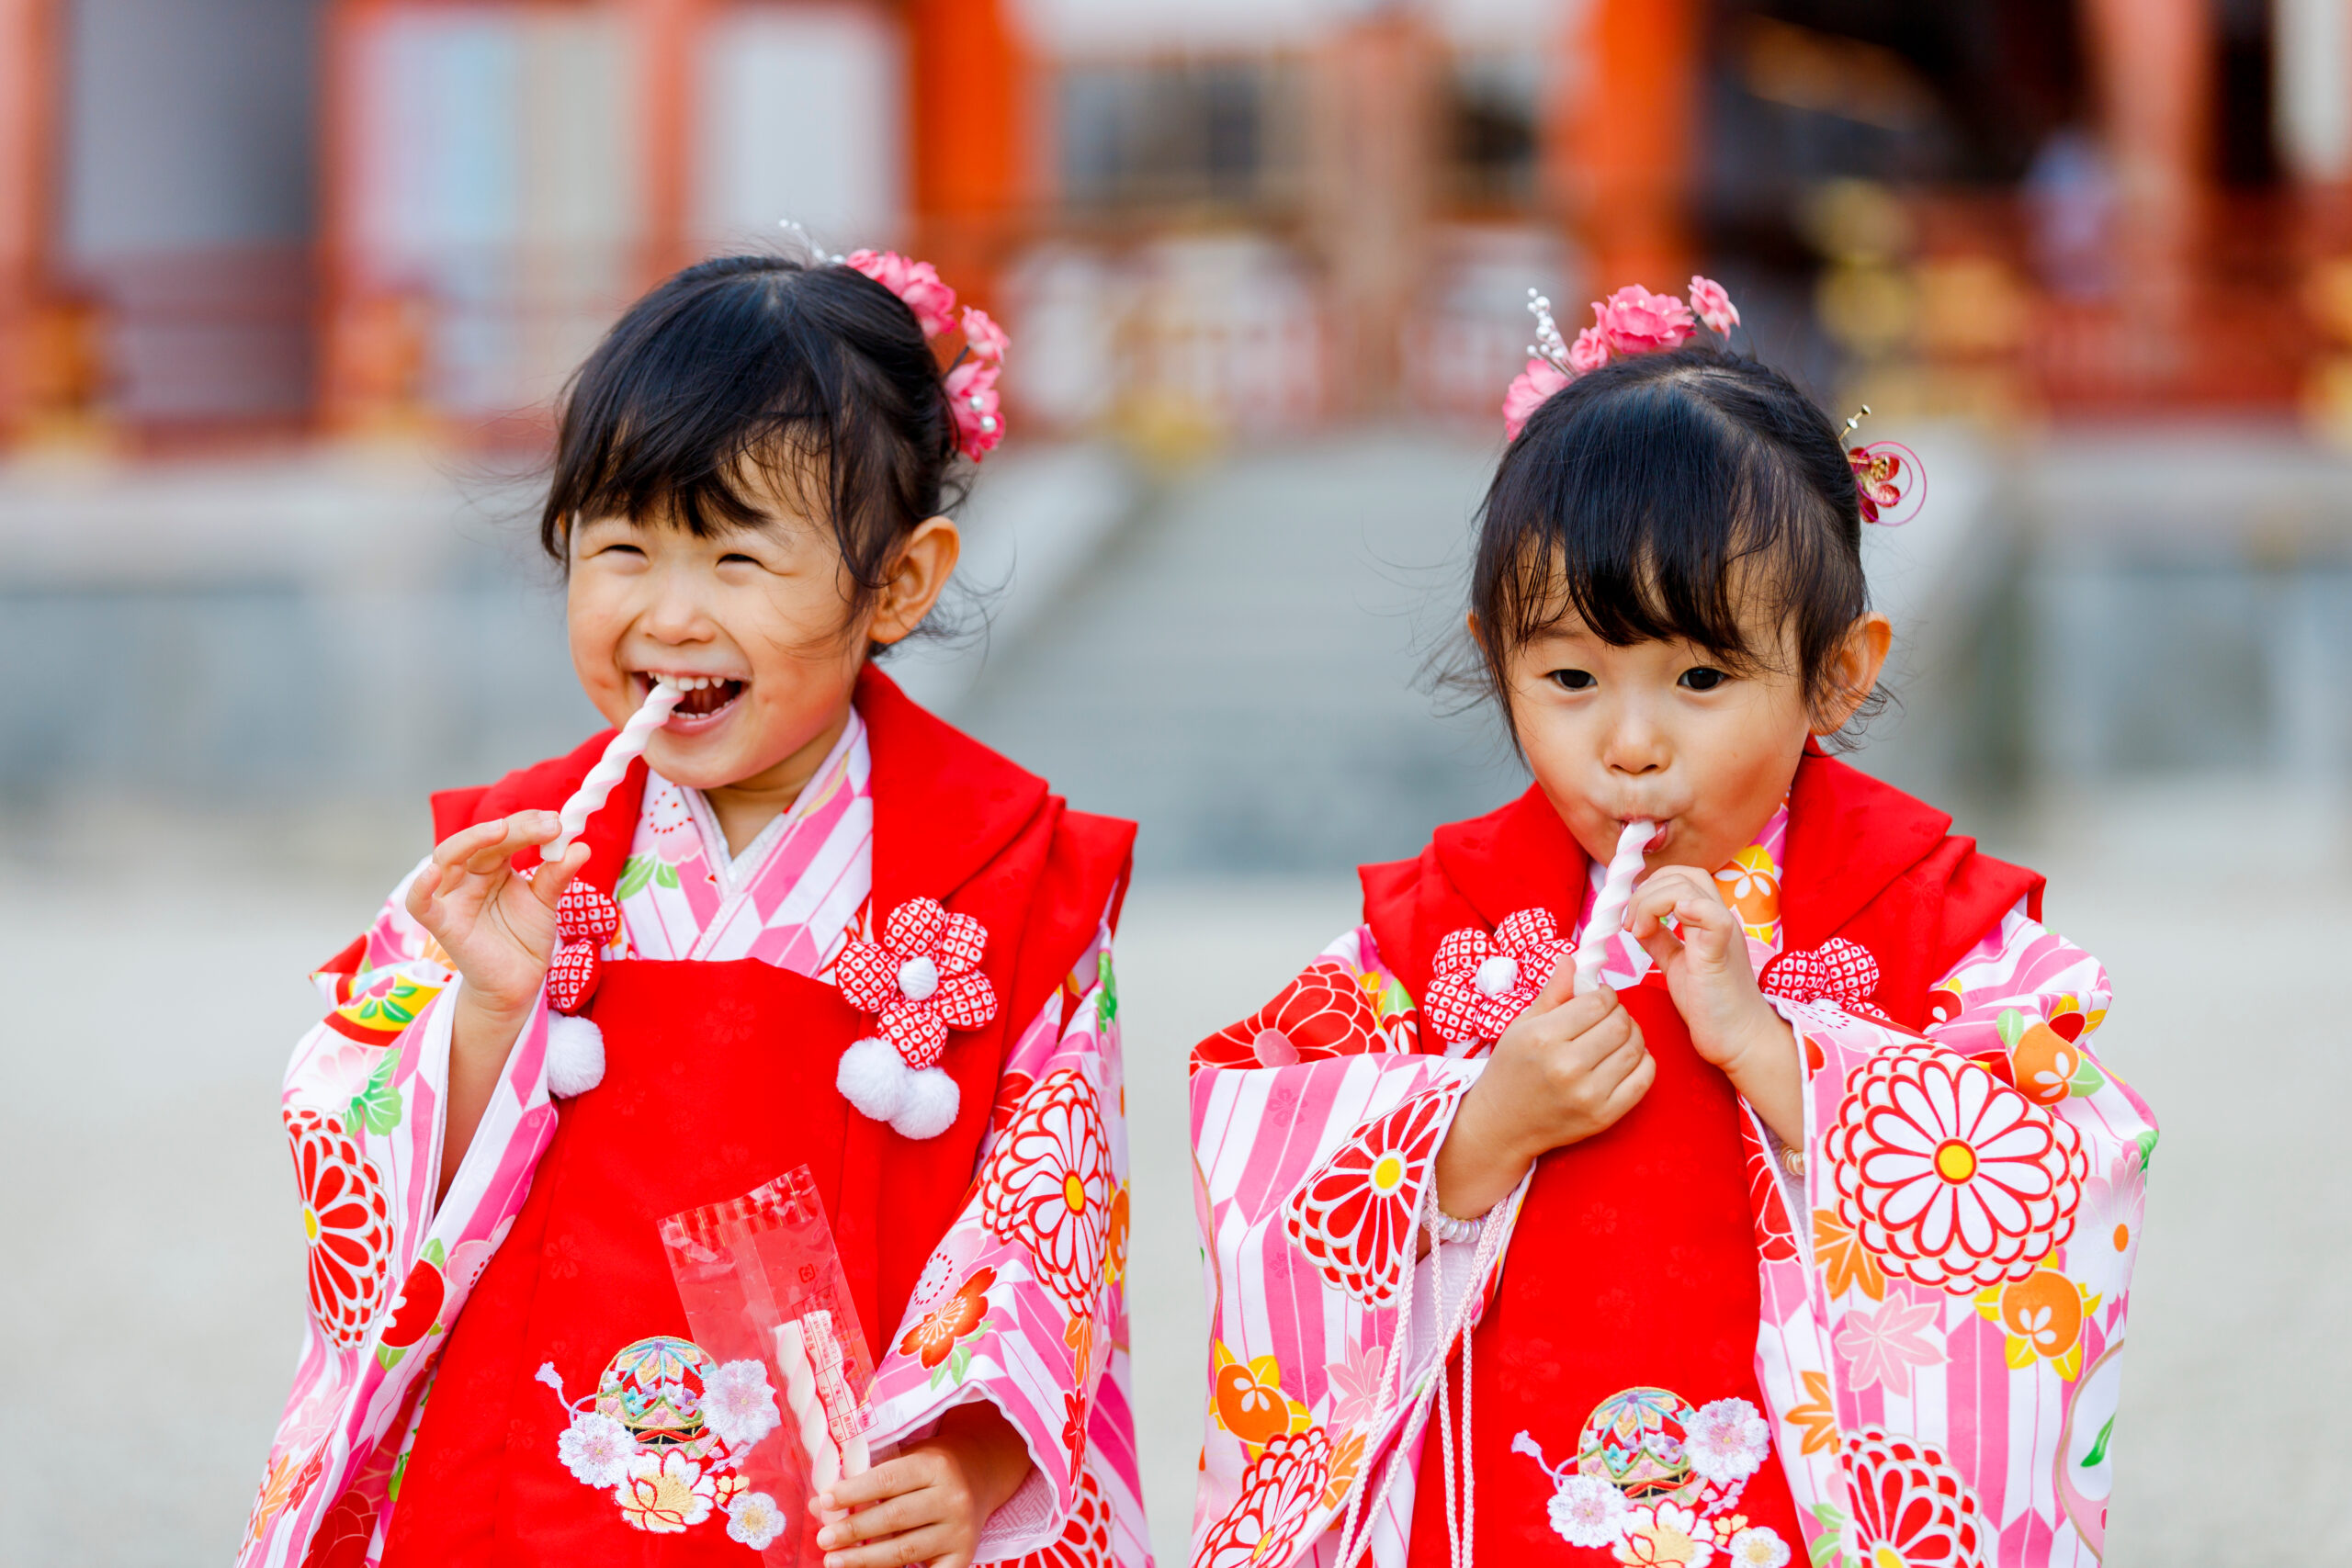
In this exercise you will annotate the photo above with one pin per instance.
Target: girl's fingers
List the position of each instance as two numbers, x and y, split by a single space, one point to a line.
889 1479
522 831
893 1516
1559 988
1630 1089
420 889
932 1541
462 846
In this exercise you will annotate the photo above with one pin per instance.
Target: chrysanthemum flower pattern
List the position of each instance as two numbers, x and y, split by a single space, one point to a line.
1321 1014
1355 1216
1910 1505
1047 1184
1949 1176
1281 1489
346 1224
1085 1540
1479 984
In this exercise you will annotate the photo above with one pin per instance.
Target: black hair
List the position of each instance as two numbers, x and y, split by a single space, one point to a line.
813 374
1647 495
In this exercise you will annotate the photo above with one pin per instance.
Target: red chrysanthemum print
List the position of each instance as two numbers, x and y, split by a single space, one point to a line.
346 1223
343 1533
931 1340
1323 1013
1074 1429
1354 1215
1949 1176
1281 1489
1047 1184
1085 1541
1776 1238
1910 1505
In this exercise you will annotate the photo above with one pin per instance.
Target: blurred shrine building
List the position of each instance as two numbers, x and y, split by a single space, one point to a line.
249 221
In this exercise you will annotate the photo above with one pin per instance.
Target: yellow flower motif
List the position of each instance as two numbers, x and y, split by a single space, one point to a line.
1751 884
1249 1399
2040 1318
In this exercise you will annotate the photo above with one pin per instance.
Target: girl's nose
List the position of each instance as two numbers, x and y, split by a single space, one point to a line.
1635 745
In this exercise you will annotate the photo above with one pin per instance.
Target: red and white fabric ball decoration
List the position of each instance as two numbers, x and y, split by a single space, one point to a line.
1479 984
1839 973
920 981
586 919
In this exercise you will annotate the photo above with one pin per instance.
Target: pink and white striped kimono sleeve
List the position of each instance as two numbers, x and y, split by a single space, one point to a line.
1023 1301
388 1266
1947 1266
1315 1126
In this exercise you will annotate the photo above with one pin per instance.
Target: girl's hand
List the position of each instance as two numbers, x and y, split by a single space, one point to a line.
1707 972
929 1504
498 929
1568 1068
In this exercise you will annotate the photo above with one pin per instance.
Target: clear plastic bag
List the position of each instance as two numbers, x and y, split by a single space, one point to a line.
761 1279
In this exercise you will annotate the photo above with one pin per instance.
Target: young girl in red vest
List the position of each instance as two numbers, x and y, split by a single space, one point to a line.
812 926
1775 1213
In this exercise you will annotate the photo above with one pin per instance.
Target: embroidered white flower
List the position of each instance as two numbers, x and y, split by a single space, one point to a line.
664 1493
1664 1535
1587 1511
738 1404
754 1519
1760 1547
596 1449
1726 1440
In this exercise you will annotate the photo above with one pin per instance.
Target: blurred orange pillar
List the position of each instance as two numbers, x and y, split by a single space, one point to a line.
970 82
664 33
2153 65
1621 144
30 61
371 340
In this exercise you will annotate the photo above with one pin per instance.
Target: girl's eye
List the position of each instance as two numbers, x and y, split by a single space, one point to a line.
1575 680
747 560
1701 679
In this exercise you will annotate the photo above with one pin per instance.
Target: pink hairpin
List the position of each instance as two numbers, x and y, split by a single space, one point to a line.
1632 321
971 381
1888 481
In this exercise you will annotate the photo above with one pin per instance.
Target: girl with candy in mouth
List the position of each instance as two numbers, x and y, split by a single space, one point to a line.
810 925
1696 1160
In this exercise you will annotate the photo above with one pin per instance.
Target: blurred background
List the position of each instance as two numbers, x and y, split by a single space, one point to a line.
287 288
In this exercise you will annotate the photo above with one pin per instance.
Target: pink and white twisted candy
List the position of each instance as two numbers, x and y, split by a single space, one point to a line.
613 766
1608 909
829 1418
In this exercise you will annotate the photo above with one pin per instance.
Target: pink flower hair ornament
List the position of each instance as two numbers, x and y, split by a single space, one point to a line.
971 381
1632 321
1888 481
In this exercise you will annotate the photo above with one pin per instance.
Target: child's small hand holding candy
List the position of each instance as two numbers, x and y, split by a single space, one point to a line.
498 931
929 1504
1566 1069
1704 959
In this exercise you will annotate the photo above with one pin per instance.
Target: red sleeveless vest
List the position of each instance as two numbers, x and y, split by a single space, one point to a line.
1637 1304
719 1077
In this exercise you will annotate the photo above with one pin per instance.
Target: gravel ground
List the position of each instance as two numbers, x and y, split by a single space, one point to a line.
153 1282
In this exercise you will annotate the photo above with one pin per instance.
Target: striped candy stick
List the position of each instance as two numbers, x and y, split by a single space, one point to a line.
613 766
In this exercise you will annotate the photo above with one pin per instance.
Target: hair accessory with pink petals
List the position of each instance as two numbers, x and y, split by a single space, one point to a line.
1632 321
1888 478
971 381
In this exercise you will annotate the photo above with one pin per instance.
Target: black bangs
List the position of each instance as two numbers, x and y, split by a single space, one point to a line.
1690 495
815 378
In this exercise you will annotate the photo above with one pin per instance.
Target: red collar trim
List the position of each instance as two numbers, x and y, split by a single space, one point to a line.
1519 857
945 806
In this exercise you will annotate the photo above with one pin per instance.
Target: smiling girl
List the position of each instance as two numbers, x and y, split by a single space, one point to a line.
1804 1232
812 926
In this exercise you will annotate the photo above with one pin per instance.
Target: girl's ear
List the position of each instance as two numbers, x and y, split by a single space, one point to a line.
1853 672
918 577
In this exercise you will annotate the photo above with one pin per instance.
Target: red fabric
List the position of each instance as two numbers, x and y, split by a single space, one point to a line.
745 1054
1644 1274
1647 1272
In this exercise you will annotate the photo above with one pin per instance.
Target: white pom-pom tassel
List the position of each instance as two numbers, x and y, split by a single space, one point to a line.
575 1056
874 1078
932 1099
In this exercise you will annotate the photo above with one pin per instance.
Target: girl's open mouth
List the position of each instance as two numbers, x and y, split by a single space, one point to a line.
707 699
